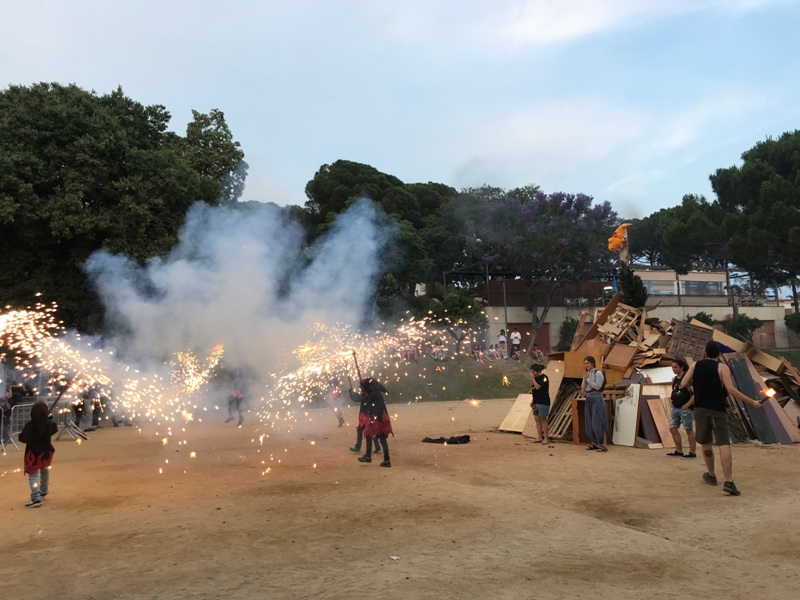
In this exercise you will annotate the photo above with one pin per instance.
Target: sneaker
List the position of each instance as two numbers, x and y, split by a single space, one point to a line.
730 488
675 453
33 504
545 441
355 449
710 479
365 459
386 463
43 495
690 455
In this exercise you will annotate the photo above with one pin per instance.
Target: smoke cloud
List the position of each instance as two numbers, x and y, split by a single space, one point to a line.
241 277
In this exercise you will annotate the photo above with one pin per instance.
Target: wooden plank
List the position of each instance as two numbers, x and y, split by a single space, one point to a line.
658 374
781 425
620 356
607 311
660 390
555 373
745 384
518 415
731 342
662 421
530 429
792 410
626 417
646 419
772 363
577 338
646 444
578 421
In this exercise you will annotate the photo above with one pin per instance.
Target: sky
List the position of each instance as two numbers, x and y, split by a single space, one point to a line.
632 102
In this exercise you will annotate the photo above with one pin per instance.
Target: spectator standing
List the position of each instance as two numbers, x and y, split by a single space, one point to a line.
682 411
501 343
540 391
595 409
516 343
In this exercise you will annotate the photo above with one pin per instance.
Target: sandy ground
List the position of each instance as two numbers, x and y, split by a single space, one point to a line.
501 517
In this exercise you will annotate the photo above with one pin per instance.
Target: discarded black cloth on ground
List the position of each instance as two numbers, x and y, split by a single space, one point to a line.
457 439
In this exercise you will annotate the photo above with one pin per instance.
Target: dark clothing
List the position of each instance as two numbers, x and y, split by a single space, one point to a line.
363 418
379 424
709 392
595 417
38 448
680 395
542 395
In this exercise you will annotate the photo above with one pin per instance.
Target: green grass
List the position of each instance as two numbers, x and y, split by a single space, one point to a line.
458 378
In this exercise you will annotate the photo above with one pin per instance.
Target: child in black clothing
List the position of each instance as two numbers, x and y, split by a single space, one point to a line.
363 420
38 451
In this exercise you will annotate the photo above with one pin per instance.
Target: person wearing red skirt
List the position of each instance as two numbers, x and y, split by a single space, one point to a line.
377 424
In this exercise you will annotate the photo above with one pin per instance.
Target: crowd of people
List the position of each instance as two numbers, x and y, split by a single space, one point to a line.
699 404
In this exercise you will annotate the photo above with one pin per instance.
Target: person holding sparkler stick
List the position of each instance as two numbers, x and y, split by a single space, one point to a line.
39 451
378 425
360 398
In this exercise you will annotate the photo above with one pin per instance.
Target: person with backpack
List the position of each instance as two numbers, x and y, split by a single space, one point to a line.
595 408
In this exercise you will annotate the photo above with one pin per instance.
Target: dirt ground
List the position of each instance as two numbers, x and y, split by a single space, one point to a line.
501 517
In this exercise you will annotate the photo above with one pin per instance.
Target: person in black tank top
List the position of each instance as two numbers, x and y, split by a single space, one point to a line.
682 412
710 380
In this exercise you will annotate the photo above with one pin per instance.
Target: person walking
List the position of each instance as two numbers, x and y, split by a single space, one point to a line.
710 379
595 408
39 452
378 425
682 412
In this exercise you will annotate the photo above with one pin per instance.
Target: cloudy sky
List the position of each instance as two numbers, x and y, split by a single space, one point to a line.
631 101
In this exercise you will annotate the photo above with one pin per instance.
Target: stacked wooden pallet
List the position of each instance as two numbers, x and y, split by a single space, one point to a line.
632 349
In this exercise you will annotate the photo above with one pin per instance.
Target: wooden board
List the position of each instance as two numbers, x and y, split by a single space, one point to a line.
662 421
745 384
662 390
646 444
517 417
772 363
626 417
658 374
620 356
607 311
782 426
792 410
530 429
578 420
555 373
646 419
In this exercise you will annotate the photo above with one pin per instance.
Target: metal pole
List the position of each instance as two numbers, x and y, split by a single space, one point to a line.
505 308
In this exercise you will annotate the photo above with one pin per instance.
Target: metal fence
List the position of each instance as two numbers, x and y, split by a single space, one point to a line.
20 414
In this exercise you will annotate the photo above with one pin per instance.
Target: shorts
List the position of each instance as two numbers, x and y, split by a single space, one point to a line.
681 415
541 410
709 421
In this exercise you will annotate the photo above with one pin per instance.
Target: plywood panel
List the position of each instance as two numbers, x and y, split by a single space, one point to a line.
745 384
626 417
646 419
518 415
620 356
658 374
661 421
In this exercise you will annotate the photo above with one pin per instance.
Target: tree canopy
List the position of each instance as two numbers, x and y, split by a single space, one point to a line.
81 171
548 240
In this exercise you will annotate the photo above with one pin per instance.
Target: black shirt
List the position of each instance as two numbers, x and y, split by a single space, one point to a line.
680 395
542 395
709 393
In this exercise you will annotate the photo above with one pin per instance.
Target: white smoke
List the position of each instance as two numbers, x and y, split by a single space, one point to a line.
241 277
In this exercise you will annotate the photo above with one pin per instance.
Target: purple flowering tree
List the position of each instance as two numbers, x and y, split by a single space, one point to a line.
548 240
